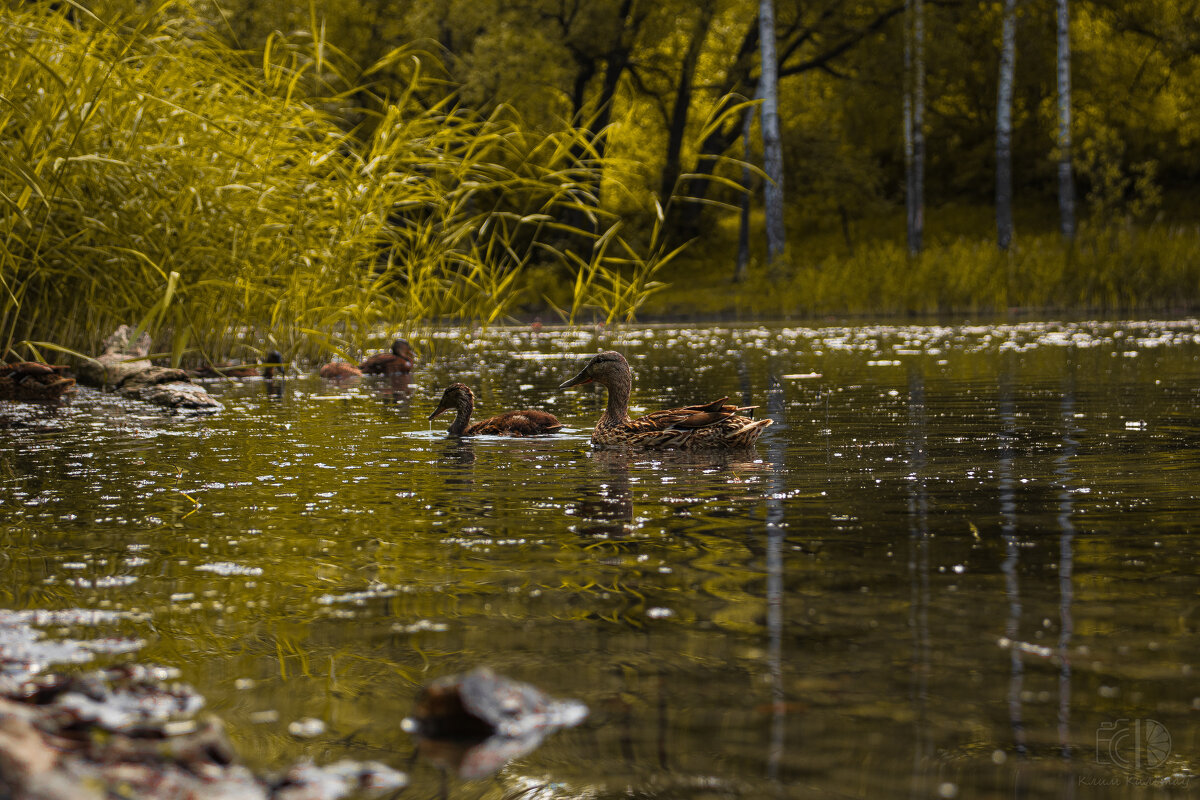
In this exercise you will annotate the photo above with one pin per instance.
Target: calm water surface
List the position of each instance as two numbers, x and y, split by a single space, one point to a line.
963 563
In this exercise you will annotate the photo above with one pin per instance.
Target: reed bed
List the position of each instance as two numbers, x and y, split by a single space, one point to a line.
229 205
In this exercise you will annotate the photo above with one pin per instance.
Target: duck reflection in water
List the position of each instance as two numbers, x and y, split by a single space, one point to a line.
396 388
456 453
605 509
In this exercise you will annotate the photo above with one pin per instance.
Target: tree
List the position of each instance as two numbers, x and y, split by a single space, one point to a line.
809 39
772 141
742 270
1066 180
914 123
1004 102
684 91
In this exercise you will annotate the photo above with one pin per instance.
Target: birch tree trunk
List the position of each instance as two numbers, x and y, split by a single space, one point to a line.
1066 180
772 143
1004 95
914 123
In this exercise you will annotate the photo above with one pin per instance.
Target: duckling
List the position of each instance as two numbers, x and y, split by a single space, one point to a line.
529 422
400 359
339 370
33 380
274 365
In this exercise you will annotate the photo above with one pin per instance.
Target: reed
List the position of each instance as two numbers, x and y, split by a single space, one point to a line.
227 205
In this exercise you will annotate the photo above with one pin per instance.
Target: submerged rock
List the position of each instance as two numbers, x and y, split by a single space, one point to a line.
124 366
477 722
131 731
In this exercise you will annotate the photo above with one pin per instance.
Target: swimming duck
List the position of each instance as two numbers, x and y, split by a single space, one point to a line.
399 360
224 371
33 380
707 426
529 422
339 370
228 370
274 365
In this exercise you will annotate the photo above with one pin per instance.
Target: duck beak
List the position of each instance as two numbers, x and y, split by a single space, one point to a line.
581 378
442 407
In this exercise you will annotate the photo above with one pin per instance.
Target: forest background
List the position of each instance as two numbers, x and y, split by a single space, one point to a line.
245 174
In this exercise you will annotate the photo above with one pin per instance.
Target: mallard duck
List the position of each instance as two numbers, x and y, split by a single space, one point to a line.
529 422
224 371
399 360
227 370
710 425
33 380
339 370
274 365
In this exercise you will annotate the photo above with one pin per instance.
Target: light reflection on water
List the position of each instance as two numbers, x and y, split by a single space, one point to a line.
959 553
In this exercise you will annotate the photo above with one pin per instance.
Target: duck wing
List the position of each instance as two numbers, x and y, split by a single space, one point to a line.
702 415
529 422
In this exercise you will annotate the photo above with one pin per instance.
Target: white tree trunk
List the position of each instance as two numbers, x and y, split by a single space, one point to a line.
1004 95
914 123
1066 180
772 143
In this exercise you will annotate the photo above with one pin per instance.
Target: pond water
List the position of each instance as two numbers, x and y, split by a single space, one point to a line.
964 562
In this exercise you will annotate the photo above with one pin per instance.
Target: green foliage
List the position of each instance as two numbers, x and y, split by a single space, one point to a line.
1151 268
238 175
151 175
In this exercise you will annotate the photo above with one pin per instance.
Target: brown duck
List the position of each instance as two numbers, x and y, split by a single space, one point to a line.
33 380
400 359
339 370
529 422
714 425
272 365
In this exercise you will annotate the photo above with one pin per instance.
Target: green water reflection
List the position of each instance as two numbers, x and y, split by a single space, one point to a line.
962 558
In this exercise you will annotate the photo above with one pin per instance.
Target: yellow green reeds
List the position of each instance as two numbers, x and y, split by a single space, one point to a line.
229 204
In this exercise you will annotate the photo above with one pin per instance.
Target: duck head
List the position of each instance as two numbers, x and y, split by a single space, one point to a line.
456 396
607 368
402 348
274 361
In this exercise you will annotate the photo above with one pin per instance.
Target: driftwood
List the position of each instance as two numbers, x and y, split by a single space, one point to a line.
125 367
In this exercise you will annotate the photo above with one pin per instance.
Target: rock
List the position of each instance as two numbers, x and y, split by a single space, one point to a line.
125 731
124 366
477 722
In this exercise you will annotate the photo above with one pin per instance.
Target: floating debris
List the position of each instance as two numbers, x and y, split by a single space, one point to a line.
307 728
228 568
